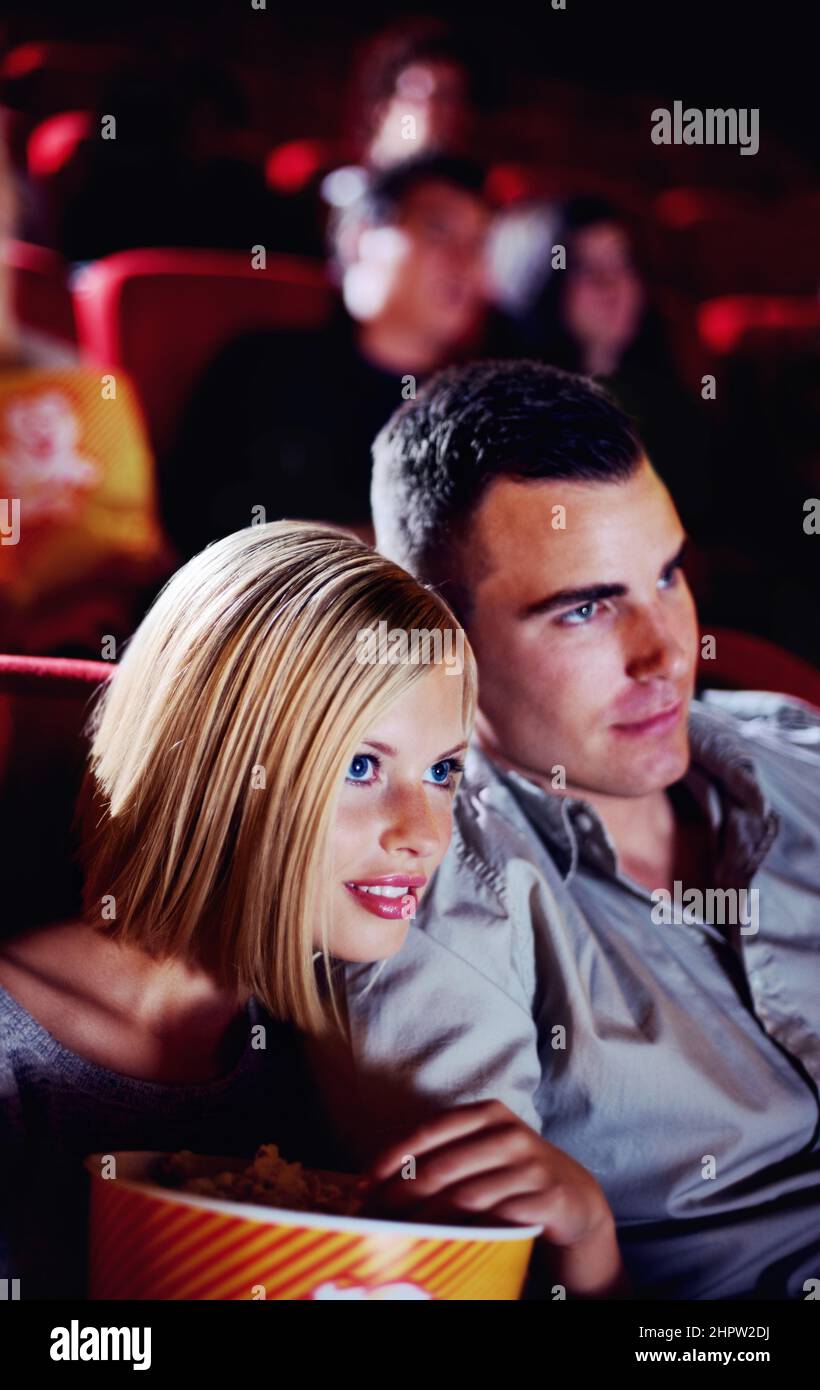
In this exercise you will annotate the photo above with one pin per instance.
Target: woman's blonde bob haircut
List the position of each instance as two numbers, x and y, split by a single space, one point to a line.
219 749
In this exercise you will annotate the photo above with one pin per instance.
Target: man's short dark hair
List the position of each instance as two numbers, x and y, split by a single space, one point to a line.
383 196
388 188
438 454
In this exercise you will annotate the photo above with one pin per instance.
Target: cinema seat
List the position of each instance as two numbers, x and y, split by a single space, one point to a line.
745 662
43 706
55 141
164 314
728 245
42 299
47 76
726 323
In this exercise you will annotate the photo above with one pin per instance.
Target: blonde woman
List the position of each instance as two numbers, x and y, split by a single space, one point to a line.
260 793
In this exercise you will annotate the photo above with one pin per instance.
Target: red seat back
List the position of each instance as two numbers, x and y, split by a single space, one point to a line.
55 141
42 299
726 323
163 315
744 662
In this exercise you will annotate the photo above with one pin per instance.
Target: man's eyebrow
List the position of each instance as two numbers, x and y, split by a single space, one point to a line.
591 593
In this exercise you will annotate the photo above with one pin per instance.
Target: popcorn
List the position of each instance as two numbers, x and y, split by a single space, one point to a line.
268 1180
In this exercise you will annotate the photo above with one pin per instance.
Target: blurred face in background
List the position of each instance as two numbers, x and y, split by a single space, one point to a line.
604 298
435 94
425 273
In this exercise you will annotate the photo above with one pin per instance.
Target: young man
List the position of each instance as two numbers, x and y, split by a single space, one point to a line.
623 944
286 419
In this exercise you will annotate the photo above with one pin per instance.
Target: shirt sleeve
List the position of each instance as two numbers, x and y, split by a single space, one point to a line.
778 721
449 1019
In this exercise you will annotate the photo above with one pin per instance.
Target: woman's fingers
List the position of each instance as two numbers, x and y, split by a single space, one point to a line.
439 1131
471 1155
482 1161
483 1196
514 1195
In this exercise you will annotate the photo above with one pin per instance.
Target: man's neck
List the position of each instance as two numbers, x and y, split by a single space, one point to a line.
646 831
643 829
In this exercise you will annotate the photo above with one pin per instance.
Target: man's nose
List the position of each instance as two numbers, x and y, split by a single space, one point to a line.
468 255
410 825
655 648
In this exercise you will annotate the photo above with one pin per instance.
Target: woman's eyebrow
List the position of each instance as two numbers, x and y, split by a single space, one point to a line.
390 752
459 748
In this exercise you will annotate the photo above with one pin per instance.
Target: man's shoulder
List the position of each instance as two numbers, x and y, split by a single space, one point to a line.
764 720
778 734
492 836
496 855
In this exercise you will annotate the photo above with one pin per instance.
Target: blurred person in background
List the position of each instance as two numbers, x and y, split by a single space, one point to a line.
598 317
419 69
416 90
286 420
81 539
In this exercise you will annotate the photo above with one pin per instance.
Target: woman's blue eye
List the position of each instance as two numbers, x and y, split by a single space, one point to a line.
442 774
359 768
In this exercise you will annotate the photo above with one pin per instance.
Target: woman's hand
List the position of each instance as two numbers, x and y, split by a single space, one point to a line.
480 1160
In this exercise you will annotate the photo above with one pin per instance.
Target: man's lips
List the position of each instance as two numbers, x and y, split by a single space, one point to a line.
658 723
400 902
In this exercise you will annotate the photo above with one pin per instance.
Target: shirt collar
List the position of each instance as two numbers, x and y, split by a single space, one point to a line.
721 777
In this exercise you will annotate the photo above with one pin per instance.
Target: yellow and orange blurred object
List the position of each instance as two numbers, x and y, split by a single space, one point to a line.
78 482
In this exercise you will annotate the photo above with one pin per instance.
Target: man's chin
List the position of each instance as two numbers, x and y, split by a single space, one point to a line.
649 772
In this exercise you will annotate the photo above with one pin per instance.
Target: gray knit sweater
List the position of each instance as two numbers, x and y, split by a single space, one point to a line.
56 1107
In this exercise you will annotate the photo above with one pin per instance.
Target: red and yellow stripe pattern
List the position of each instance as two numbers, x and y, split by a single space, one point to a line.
143 1246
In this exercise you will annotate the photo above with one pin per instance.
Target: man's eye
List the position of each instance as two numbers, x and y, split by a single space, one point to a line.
577 616
670 576
443 774
360 768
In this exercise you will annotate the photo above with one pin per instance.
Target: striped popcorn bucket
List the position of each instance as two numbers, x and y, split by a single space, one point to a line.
152 1242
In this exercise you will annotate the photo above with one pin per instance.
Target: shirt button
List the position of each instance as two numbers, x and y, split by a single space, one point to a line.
585 822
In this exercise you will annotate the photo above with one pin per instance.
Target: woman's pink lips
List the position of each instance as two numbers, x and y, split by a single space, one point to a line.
393 881
658 724
394 909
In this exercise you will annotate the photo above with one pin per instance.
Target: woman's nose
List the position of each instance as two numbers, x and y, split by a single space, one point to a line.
411 825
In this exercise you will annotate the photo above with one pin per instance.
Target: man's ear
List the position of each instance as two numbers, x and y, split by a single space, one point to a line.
347 241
